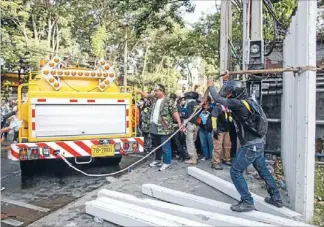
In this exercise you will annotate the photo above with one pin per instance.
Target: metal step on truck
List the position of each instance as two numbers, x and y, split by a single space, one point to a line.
78 113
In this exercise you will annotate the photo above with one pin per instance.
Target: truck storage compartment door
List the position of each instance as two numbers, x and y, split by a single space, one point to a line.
64 120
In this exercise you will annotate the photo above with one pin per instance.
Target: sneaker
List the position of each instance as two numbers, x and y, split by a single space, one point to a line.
156 164
203 159
216 167
277 203
242 207
164 167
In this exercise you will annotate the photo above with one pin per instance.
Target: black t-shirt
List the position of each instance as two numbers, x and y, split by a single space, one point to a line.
240 114
222 121
191 107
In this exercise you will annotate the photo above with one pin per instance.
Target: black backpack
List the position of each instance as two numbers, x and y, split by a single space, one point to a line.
257 122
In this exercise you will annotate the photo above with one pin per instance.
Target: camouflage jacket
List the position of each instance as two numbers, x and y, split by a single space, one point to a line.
165 123
145 119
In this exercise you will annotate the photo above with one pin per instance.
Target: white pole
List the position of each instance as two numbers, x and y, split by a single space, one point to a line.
305 90
245 33
223 40
256 20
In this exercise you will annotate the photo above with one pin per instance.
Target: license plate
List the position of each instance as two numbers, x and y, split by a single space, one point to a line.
103 150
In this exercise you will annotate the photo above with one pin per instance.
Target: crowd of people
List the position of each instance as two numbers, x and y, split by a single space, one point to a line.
205 137
162 115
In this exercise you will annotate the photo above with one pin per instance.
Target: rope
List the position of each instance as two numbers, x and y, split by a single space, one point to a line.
277 70
146 156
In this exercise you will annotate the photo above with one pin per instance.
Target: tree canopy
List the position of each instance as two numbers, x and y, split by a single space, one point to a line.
160 47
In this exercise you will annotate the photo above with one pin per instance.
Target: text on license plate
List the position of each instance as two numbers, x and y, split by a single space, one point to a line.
103 150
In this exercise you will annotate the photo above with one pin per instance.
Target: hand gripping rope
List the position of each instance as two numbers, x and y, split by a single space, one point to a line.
146 156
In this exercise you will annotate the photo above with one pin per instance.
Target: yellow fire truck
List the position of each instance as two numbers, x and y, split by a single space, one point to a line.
78 113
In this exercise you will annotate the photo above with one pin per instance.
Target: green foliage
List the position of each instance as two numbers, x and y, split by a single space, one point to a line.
319 196
6 90
33 29
98 42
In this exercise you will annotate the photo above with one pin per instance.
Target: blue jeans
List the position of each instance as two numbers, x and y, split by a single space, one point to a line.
166 150
252 155
206 140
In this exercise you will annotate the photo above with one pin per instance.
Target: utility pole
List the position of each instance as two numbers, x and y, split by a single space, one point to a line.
245 34
299 109
229 19
256 20
125 55
226 22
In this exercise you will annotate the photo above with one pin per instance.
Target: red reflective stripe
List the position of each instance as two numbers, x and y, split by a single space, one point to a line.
40 156
22 146
83 146
120 100
127 124
33 126
127 112
14 153
73 100
95 142
91 100
112 142
68 149
139 141
33 113
124 140
41 100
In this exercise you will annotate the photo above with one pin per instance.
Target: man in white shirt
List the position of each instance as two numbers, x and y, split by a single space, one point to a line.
162 113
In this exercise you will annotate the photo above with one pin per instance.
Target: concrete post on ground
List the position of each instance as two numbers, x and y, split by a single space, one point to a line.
299 109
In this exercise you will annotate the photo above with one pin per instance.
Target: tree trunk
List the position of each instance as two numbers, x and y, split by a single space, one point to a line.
49 32
57 39
160 65
53 38
35 28
190 77
145 60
